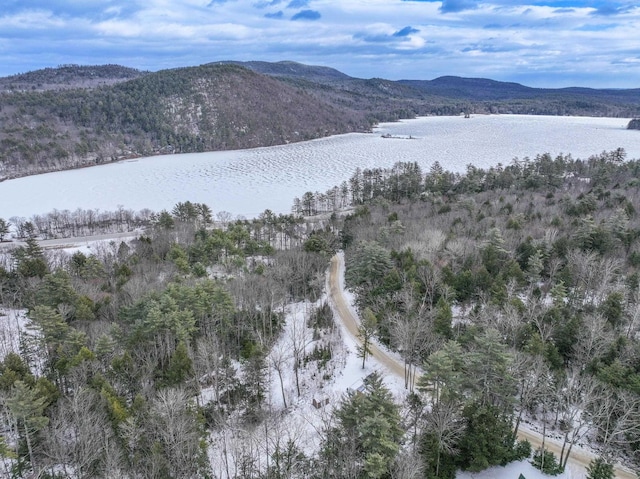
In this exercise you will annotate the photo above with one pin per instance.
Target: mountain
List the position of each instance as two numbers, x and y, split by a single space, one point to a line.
73 116
482 89
290 69
475 89
211 107
451 94
69 76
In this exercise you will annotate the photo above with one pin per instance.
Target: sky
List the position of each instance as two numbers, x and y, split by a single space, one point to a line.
543 43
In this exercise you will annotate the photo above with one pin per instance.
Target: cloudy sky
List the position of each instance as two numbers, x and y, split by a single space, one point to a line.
551 43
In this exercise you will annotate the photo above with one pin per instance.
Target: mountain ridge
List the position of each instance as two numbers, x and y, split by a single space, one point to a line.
75 116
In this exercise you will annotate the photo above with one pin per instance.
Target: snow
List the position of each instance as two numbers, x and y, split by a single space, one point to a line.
88 246
12 325
301 422
353 374
513 471
246 182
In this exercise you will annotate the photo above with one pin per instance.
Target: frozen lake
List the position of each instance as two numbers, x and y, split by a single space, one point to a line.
246 182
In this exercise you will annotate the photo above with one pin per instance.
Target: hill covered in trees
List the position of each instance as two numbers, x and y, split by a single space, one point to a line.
69 76
183 110
75 116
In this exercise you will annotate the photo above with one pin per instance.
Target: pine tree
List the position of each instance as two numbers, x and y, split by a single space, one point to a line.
367 436
30 259
4 228
599 468
27 408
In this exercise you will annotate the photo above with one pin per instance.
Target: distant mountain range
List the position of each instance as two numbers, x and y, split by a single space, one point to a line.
74 116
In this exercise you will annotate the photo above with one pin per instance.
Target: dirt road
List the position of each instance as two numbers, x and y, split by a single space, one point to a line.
579 458
75 241
350 322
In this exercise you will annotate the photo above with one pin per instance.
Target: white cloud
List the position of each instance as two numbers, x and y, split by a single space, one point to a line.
496 38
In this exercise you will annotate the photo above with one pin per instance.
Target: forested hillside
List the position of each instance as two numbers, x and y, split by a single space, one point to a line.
517 291
69 76
75 116
450 95
205 108
512 295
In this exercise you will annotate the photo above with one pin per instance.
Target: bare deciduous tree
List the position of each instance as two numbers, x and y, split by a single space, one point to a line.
175 424
407 465
299 339
78 432
279 356
579 395
445 424
410 335
616 416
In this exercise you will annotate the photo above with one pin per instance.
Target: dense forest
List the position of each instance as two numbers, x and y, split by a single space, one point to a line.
512 295
75 116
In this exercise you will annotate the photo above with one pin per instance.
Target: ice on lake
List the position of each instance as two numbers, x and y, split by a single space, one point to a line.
246 182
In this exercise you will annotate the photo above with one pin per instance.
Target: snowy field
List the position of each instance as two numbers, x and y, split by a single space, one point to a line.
246 182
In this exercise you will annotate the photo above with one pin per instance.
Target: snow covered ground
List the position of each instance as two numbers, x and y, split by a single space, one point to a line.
513 471
304 423
300 421
246 182
12 324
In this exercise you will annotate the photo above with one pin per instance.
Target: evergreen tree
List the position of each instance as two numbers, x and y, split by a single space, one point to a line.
367 436
27 408
30 259
443 317
179 370
4 228
368 265
599 468
487 440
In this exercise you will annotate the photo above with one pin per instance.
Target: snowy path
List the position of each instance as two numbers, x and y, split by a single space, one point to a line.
350 322
62 243
579 458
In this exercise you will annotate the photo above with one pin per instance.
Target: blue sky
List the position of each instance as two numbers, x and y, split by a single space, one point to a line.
557 43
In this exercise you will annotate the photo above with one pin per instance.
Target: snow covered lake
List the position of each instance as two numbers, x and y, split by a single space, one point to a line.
246 182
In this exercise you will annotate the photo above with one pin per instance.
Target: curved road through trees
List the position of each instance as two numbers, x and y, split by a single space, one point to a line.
579 458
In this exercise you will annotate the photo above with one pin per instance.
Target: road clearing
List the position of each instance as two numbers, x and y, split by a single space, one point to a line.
579 458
